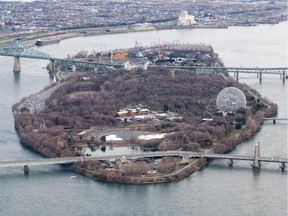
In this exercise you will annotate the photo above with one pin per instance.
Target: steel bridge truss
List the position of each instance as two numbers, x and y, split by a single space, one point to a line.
18 49
69 63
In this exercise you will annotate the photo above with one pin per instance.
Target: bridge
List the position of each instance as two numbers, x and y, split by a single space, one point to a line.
275 119
282 71
186 155
18 50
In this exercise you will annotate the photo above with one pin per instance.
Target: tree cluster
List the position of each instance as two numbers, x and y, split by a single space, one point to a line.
92 99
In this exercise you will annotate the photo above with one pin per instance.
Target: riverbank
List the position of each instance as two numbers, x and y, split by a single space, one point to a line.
112 176
30 38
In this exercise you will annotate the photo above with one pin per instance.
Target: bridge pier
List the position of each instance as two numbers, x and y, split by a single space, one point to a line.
283 166
17 66
260 76
283 76
52 67
256 163
26 169
237 76
231 162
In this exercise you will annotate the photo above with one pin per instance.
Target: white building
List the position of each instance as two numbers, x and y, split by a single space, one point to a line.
128 66
185 19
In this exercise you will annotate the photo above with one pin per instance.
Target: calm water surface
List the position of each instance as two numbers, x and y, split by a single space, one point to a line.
215 190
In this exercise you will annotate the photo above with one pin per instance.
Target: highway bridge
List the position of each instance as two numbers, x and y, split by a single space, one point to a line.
256 159
71 160
275 119
272 70
282 71
18 50
160 154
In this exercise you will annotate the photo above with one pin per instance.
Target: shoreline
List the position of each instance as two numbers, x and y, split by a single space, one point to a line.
91 32
144 180
30 39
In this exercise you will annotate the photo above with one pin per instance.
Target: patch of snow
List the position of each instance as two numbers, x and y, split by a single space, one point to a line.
152 136
112 137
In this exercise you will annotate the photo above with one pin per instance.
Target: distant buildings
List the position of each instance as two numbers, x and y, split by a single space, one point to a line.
132 112
30 16
141 113
185 19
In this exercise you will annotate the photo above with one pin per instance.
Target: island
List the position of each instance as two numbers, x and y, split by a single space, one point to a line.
147 105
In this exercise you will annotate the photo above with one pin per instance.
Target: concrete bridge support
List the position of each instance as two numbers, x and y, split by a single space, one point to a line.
260 76
26 169
256 162
283 75
231 162
237 76
52 67
17 66
283 166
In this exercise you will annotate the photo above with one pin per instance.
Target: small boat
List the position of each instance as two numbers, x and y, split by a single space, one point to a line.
40 42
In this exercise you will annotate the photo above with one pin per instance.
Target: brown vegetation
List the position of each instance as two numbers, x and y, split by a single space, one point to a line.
134 172
79 105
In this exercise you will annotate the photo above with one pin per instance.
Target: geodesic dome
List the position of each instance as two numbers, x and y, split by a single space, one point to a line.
230 99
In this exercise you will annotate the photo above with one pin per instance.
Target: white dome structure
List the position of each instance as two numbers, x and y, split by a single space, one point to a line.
230 99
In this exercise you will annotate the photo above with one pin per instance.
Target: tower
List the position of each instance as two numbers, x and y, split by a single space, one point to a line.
256 162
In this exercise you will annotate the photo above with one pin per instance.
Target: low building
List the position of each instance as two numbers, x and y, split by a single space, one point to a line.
132 112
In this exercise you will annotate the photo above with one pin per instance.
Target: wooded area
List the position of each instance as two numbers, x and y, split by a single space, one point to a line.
93 99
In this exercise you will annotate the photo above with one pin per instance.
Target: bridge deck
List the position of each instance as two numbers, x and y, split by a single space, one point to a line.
18 49
43 56
69 160
280 119
275 70
247 158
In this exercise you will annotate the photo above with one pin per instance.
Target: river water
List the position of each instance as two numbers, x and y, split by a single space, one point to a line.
215 190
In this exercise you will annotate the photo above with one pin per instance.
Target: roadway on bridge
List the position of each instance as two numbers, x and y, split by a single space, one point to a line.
19 50
186 154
